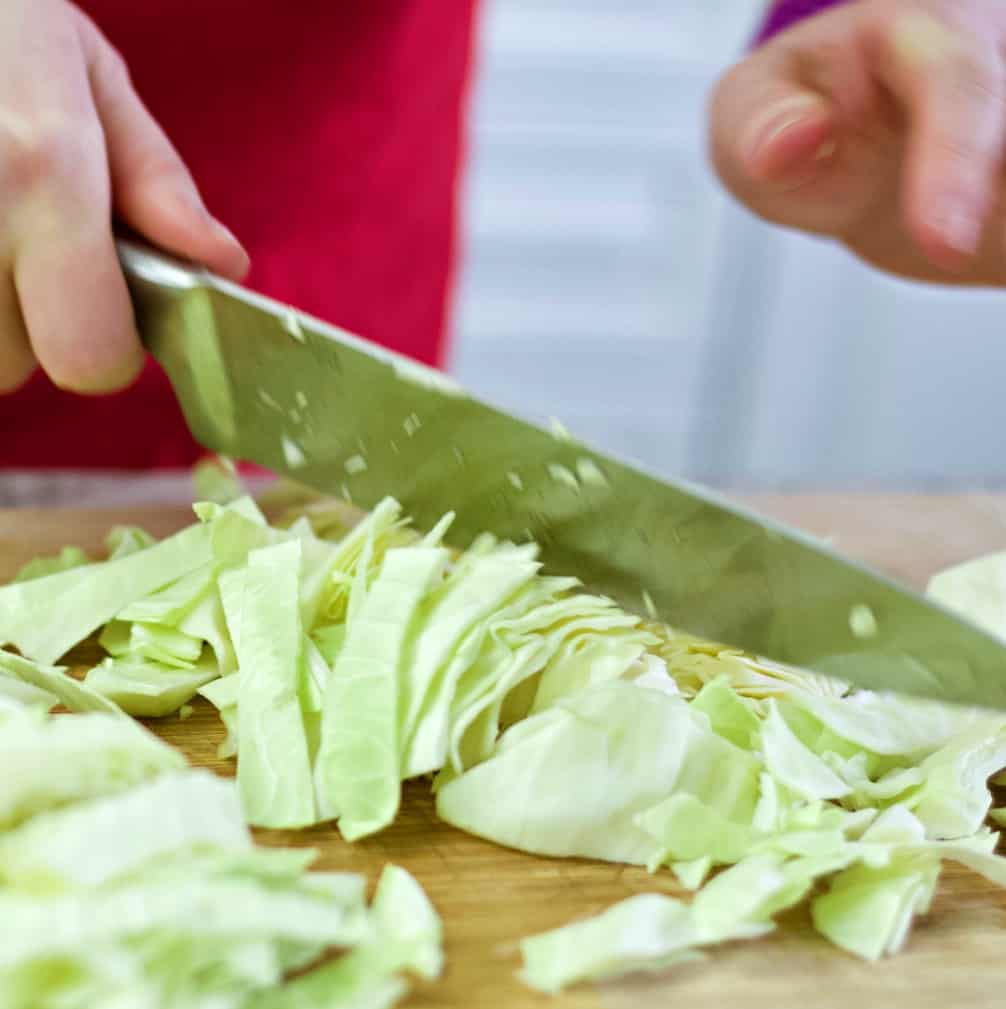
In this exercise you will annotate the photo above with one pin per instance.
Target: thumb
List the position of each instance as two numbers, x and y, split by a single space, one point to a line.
768 133
153 191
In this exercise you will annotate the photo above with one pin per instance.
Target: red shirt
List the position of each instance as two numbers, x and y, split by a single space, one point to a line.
328 135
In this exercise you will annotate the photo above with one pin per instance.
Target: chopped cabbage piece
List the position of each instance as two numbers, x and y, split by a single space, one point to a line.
263 615
45 617
795 765
72 694
573 779
148 689
648 932
122 541
93 841
358 767
976 590
216 479
66 560
869 911
73 757
127 880
20 697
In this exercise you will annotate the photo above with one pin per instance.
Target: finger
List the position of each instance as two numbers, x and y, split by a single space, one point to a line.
17 362
793 130
77 310
954 88
70 286
153 190
768 131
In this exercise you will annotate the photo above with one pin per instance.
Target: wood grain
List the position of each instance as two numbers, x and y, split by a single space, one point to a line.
490 897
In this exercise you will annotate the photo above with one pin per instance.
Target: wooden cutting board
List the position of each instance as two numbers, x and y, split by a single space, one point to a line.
490 897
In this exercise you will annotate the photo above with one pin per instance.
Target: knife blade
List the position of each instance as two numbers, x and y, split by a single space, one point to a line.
260 381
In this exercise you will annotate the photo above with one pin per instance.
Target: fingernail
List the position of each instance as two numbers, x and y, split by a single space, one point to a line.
958 226
224 232
776 120
192 199
242 260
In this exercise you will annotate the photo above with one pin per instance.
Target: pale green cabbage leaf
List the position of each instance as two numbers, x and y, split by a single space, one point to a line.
147 689
95 840
359 767
128 881
574 779
263 616
66 560
55 680
68 758
78 602
346 657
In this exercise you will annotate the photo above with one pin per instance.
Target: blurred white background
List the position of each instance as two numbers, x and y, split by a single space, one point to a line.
609 284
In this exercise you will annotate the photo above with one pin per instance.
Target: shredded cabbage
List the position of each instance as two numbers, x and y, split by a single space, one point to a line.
274 772
66 560
65 759
347 656
95 840
148 689
358 766
71 693
574 779
45 617
127 880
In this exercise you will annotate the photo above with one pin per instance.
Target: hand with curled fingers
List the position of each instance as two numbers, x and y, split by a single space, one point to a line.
882 124
77 149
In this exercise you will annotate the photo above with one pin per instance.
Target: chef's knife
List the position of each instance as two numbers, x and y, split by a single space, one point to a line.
262 382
